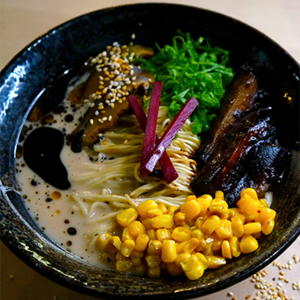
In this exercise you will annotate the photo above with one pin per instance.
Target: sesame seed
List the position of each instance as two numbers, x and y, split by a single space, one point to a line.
91 121
109 118
100 120
230 294
104 118
248 297
96 112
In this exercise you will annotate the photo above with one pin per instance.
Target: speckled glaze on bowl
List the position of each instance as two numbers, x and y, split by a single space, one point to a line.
70 44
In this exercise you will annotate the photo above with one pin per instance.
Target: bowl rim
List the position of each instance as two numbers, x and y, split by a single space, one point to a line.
59 277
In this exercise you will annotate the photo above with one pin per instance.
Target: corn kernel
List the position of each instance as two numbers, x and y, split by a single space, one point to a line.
125 217
143 207
102 241
126 235
151 234
202 244
154 247
192 267
136 261
181 234
232 212
163 208
154 272
191 209
248 205
251 228
235 246
178 218
205 201
249 218
237 226
195 273
172 210
174 269
135 228
163 234
164 221
257 235
206 248
198 234
153 212
141 242
215 261
199 222
136 254
123 265
114 244
127 247
191 245
219 202
224 230
189 263
147 223
218 210
267 226
119 256
265 213
211 223
216 243
250 192
191 197
248 244
226 249
264 203
202 259
219 195
153 261
168 251
179 247
181 257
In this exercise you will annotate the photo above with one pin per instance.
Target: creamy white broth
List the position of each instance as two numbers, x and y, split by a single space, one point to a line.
73 218
55 217
58 218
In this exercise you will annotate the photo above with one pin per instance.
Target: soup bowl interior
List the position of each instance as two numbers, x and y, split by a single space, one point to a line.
69 45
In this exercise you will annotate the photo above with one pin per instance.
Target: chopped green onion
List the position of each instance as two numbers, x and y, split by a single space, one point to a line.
191 68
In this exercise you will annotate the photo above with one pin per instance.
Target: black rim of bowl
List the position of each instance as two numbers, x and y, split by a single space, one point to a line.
31 252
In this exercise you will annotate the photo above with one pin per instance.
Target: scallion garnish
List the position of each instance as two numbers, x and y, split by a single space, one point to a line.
191 68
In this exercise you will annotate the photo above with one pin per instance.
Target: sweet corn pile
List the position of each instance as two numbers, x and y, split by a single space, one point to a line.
201 234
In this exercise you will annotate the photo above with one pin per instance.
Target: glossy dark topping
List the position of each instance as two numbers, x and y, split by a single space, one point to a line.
41 153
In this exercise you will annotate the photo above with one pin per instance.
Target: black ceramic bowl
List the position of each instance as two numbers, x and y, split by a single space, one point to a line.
39 64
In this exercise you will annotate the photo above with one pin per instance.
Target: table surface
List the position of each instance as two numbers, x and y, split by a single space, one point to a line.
23 21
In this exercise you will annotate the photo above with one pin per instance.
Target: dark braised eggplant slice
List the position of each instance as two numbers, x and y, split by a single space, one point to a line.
239 99
224 166
265 165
